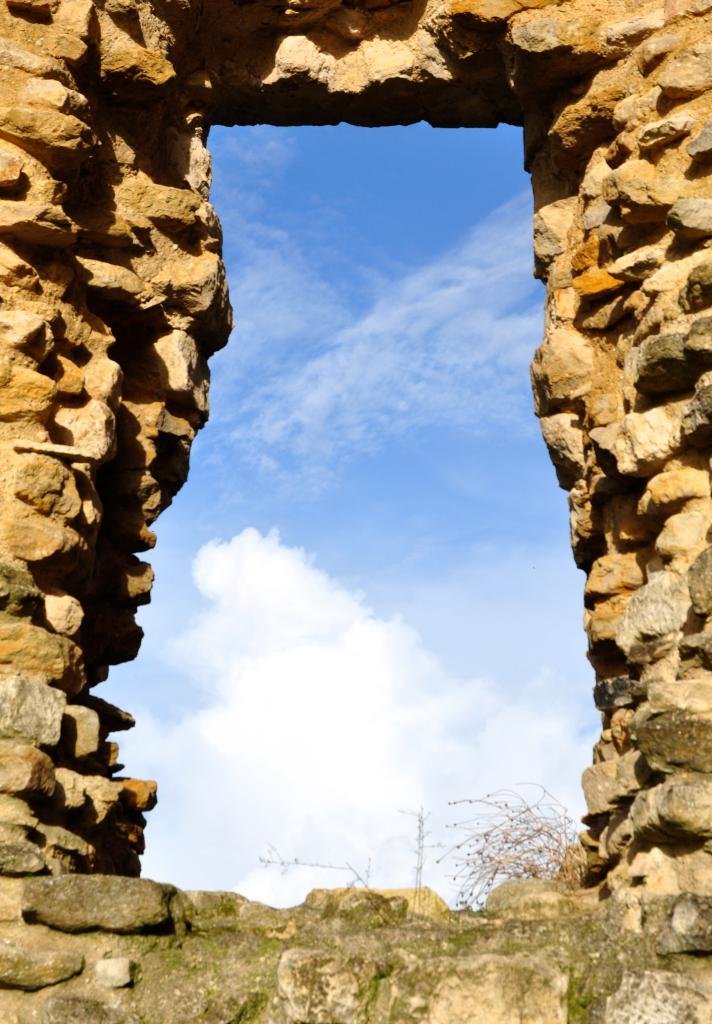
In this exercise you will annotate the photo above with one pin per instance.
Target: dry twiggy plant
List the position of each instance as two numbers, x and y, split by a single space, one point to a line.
275 859
511 836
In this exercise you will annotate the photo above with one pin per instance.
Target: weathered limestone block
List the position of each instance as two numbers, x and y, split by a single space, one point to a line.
115 972
677 739
74 903
488 989
678 806
655 995
30 968
691 693
18 856
695 653
700 148
71 1010
30 711
690 926
654 615
646 440
699 578
609 783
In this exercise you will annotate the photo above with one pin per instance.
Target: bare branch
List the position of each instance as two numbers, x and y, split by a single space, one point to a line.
275 859
510 836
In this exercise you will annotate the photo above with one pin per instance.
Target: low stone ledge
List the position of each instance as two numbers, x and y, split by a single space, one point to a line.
81 903
155 955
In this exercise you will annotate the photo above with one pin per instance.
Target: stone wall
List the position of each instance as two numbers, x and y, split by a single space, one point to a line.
113 297
107 950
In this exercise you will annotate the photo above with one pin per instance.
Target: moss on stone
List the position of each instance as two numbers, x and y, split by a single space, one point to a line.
251 1009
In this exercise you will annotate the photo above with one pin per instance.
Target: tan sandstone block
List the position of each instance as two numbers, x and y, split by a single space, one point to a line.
668 490
194 281
564 438
11 168
602 621
25 770
37 654
638 183
678 805
561 369
64 613
43 482
139 794
70 789
81 730
37 223
172 207
552 224
684 534
11 899
691 694
16 272
486 10
486 989
647 439
615 572
35 538
597 282
66 46
655 613
599 786
25 332
26 396
102 795
124 60
78 14
116 282
91 428
50 135
689 73
68 378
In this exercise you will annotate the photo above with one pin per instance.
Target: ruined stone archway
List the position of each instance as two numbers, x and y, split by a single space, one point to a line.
114 297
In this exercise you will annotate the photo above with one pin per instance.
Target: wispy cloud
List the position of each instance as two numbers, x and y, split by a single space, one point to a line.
320 369
448 343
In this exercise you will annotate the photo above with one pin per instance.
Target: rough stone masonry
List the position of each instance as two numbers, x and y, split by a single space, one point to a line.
113 297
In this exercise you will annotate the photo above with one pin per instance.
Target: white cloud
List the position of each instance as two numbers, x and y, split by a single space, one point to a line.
315 721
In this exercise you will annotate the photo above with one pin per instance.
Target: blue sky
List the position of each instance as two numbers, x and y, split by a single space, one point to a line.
365 600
